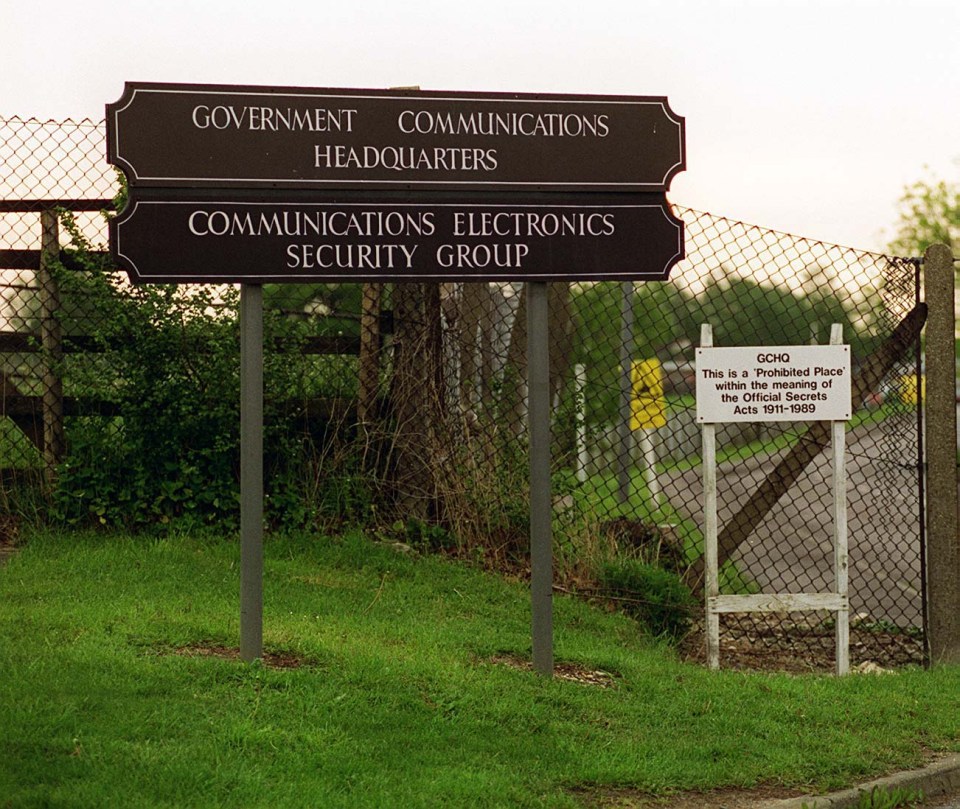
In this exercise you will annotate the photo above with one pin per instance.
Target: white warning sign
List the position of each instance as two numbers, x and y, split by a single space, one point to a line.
783 383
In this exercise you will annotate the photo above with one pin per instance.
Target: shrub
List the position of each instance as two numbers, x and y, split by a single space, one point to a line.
654 596
167 363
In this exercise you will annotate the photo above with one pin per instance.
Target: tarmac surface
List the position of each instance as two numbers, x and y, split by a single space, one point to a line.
792 551
936 785
792 548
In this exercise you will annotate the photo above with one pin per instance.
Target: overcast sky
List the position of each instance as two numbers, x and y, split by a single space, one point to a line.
808 116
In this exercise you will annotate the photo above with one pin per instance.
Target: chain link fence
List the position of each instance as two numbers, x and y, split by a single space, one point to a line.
403 408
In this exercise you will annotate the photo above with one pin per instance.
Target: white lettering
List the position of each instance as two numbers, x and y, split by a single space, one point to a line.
274 119
481 256
498 124
191 224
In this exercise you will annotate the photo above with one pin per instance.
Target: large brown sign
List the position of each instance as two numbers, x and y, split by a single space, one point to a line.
163 240
185 135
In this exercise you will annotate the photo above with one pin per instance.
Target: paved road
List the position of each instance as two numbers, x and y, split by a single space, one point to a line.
792 549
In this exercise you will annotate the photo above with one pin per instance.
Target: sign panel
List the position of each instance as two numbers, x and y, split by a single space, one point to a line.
648 407
187 135
786 383
163 240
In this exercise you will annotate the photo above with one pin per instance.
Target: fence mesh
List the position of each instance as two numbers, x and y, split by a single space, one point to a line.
403 407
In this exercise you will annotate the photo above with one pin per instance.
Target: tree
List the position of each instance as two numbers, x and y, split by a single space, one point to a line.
560 342
417 400
744 312
659 312
929 214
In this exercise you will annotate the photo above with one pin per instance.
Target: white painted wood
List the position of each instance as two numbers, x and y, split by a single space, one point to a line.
837 602
840 539
712 580
580 384
778 602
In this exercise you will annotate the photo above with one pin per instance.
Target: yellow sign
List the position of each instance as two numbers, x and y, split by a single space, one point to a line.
905 389
648 408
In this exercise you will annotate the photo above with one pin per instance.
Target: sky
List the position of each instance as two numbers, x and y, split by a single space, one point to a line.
805 116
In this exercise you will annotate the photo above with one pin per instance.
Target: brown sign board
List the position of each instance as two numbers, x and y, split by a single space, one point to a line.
208 240
228 136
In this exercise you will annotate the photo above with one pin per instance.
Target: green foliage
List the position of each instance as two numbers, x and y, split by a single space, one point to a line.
878 798
658 322
929 214
667 322
338 305
168 362
421 536
744 312
16 450
899 798
656 597
173 453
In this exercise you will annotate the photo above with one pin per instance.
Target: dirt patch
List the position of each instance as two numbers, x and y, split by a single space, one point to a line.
273 660
792 643
562 671
730 798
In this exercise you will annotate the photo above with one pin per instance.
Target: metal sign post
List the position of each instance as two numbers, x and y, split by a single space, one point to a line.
624 434
541 506
257 185
251 472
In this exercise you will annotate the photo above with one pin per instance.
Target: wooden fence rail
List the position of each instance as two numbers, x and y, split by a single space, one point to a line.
40 417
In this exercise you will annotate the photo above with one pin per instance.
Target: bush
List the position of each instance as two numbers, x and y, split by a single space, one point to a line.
173 453
168 364
654 596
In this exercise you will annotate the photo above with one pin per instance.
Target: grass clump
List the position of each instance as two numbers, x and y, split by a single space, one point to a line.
652 594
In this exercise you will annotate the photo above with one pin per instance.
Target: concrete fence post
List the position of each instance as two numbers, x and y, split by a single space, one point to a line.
943 543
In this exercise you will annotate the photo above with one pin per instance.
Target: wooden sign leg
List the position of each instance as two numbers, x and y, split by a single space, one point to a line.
838 440
711 586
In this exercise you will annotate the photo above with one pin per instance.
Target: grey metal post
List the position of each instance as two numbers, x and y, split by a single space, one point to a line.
251 472
943 543
541 537
624 434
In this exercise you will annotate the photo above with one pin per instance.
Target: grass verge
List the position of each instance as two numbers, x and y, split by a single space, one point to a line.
400 700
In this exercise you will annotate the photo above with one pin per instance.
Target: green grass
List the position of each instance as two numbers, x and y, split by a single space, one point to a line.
599 496
400 704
